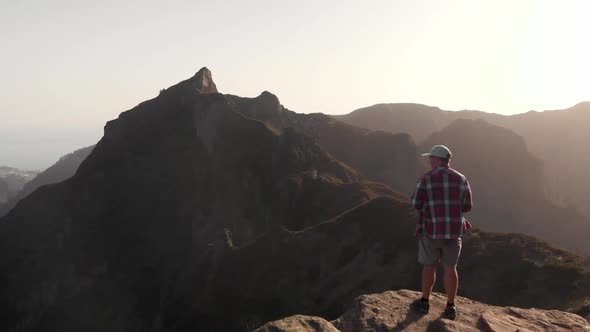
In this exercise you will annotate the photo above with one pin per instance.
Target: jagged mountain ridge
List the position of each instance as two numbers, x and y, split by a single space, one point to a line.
509 181
189 215
180 177
557 137
380 156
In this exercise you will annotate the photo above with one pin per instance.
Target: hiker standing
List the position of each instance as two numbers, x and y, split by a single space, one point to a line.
442 196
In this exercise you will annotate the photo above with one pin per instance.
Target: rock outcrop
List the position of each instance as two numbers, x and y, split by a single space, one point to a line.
298 323
203 81
390 311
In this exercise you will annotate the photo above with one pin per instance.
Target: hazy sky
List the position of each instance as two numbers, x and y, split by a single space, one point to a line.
69 66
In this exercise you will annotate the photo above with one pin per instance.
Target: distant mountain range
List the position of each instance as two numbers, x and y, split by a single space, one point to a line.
12 181
556 137
517 179
63 169
203 211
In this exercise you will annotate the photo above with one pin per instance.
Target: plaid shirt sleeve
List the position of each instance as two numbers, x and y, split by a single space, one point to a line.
467 203
419 196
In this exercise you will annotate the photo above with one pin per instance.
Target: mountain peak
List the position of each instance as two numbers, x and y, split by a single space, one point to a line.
202 81
270 98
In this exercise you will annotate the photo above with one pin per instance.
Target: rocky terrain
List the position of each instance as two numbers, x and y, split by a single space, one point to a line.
390 311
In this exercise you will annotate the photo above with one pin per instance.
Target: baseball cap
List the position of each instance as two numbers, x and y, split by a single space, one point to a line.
439 151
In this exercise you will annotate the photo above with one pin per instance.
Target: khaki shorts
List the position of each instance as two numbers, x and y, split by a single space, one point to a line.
432 251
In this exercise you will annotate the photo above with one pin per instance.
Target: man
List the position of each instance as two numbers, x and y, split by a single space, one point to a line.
442 196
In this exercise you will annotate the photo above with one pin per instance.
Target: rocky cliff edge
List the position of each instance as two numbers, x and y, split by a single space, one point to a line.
390 311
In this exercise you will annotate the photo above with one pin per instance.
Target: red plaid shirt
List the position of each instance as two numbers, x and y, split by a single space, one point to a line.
441 197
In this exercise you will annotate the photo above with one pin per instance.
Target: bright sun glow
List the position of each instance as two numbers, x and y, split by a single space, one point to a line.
68 67
558 52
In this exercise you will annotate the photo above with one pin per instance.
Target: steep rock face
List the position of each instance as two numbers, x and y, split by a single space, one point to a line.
559 138
380 156
390 311
507 182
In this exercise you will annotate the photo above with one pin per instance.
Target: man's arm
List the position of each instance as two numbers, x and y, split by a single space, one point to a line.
419 196
467 203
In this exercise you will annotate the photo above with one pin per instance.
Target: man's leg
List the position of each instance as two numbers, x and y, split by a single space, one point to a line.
428 280
451 282
450 257
428 256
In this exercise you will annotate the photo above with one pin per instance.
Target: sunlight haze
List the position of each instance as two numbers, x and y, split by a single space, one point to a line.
70 66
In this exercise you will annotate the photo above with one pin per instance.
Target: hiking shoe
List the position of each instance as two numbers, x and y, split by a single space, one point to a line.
450 312
420 306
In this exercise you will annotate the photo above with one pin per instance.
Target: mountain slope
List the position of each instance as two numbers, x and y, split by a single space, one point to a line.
173 184
5 192
380 156
418 120
63 169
